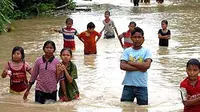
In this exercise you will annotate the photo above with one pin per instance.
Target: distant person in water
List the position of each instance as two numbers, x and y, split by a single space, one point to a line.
164 34
160 1
136 2
127 36
109 26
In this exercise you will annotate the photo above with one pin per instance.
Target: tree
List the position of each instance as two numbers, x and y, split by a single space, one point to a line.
6 8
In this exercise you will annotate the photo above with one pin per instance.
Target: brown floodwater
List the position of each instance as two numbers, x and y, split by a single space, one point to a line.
99 76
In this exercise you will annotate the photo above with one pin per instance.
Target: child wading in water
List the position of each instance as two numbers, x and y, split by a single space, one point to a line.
69 70
108 27
47 73
127 36
164 34
68 34
190 87
16 69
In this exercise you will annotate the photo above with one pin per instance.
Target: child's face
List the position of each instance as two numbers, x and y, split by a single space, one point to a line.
90 30
17 56
49 50
107 15
192 72
69 24
131 27
65 56
137 39
163 25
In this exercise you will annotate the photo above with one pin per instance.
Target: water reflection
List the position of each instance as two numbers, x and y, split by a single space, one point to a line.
89 61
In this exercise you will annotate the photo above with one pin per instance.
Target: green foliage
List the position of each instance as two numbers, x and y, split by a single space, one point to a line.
6 8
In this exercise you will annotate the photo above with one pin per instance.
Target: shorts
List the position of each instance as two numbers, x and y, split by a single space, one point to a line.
108 36
131 92
41 97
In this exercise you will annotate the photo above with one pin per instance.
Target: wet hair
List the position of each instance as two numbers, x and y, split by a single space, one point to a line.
90 25
132 22
69 19
193 61
137 29
107 12
164 21
49 42
68 49
20 49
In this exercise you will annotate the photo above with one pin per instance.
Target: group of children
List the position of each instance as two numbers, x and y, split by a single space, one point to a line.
47 70
135 60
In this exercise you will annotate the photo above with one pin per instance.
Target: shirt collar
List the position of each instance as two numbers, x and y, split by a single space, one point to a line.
50 60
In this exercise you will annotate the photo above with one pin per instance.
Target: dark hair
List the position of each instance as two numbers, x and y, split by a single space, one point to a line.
68 49
49 42
90 25
193 61
69 19
107 12
20 49
164 21
132 22
137 29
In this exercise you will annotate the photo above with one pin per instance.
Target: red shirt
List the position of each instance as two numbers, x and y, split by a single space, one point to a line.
193 91
89 39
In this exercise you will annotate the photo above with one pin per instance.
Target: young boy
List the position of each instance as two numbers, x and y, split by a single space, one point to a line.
88 37
136 61
127 36
108 26
164 34
68 34
192 86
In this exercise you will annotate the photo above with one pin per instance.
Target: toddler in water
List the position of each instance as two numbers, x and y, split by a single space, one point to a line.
16 68
69 70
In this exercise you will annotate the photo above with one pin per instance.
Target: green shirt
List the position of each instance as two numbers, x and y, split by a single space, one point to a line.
71 88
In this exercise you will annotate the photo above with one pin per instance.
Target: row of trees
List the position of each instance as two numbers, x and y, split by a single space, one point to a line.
22 9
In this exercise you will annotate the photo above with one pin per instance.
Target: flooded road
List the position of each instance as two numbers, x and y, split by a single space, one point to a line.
99 76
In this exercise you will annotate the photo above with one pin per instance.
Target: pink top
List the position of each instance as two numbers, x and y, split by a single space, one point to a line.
45 74
17 66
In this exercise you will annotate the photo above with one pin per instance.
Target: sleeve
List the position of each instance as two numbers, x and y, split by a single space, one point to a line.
35 71
169 32
28 67
73 73
125 56
159 31
113 24
6 67
148 54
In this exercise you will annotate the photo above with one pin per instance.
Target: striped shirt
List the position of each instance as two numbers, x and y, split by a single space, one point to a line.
45 74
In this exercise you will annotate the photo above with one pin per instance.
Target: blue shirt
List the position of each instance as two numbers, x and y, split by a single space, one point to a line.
136 78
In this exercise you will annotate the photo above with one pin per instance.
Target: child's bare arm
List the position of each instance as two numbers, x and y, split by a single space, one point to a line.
142 66
192 102
127 67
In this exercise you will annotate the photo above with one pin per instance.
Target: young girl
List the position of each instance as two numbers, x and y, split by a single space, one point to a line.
164 34
108 26
70 73
127 36
46 72
16 69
